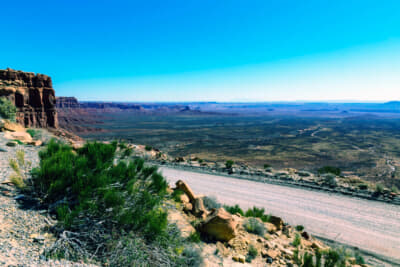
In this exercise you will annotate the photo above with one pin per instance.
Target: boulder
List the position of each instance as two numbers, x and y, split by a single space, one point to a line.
219 226
13 127
36 143
20 136
184 198
305 235
277 221
270 227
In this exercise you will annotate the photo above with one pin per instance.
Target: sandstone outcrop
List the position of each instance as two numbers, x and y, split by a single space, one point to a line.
196 202
219 225
33 95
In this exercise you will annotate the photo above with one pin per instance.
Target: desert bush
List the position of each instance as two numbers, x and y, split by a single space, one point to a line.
266 166
229 164
176 195
254 226
334 257
194 237
308 260
297 240
148 148
318 258
299 228
379 189
192 256
329 169
105 201
234 209
21 170
394 189
359 259
33 133
296 257
7 109
330 180
251 254
258 213
363 186
210 202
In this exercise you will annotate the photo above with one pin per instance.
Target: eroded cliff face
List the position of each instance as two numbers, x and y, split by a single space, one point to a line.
33 95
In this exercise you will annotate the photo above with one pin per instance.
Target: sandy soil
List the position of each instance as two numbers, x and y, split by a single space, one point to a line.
369 225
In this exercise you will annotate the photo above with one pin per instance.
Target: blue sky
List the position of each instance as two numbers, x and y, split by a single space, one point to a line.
205 50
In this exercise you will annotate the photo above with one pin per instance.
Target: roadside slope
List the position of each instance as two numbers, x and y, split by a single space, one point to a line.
370 225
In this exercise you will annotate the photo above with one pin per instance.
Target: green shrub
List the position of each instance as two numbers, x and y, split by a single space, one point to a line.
379 189
258 213
308 260
299 228
33 133
296 257
318 258
251 254
229 164
297 240
363 186
332 257
194 237
394 189
7 109
104 198
266 166
330 180
148 148
254 226
234 209
176 195
210 202
359 259
330 169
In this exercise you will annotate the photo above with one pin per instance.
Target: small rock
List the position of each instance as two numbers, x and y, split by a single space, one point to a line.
11 143
38 238
272 253
239 258
19 197
222 249
305 235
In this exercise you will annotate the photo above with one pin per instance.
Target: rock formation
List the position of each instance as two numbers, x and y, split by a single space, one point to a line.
33 96
67 102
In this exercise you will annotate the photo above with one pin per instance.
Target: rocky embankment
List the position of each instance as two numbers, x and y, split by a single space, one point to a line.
250 238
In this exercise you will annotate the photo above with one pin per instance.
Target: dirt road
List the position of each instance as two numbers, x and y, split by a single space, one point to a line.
370 225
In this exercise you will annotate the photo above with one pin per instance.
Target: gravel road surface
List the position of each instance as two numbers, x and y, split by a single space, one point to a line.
369 225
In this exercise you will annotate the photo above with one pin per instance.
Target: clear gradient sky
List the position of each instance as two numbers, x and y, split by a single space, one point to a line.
208 50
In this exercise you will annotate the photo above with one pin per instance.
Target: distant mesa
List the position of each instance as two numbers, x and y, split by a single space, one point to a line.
33 95
67 102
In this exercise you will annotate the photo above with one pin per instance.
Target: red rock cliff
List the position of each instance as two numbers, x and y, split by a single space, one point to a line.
33 96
